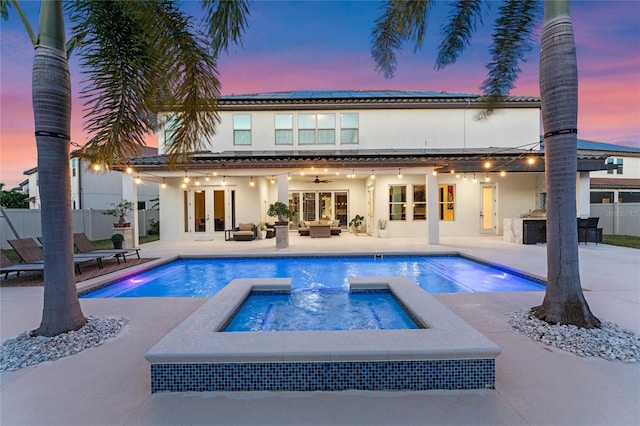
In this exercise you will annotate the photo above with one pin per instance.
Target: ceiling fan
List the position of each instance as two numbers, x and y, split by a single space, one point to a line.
317 180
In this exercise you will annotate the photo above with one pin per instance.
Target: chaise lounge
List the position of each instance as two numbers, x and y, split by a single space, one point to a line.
30 252
6 267
85 246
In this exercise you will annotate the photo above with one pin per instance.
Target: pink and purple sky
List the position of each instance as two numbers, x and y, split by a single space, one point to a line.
323 45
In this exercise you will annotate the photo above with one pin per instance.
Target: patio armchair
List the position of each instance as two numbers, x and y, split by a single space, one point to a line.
245 232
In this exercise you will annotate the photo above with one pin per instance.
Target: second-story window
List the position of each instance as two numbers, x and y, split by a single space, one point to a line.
316 129
170 129
242 129
284 129
349 128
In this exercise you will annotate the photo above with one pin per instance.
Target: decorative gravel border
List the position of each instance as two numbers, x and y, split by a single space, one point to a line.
610 342
25 349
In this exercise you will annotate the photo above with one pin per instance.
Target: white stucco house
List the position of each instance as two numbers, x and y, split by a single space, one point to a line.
93 188
430 163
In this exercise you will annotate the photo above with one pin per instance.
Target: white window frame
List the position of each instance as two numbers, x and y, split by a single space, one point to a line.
347 128
241 129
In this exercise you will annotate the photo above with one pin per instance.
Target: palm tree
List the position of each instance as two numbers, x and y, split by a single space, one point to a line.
404 20
138 57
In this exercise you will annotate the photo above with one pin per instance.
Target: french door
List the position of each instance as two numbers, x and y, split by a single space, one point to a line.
206 210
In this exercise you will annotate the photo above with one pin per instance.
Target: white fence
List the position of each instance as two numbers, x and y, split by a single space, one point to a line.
95 224
618 218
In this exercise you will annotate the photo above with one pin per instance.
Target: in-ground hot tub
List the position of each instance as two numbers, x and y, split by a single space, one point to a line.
446 353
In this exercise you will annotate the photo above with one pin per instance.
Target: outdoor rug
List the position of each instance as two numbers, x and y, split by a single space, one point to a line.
89 270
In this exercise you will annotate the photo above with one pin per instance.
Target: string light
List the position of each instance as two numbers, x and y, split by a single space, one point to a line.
474 178
272 180
97 167
372 176
164 183
531 161
129 169
288 176
465 177
251 182
487 164
138 180
197 182
503 173
399 174
183 185
224 180
186 178
434 173
337 172
486 178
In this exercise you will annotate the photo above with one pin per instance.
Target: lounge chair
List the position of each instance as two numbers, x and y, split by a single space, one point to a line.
245 232
30 252
85 246
6 267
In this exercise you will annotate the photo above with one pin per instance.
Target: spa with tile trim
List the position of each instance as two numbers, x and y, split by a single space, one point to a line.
447 353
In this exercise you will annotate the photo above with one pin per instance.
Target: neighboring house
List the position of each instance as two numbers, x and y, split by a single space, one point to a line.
430 163
615 193
95 189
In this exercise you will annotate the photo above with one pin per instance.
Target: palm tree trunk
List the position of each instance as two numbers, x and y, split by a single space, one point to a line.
564 300
52 112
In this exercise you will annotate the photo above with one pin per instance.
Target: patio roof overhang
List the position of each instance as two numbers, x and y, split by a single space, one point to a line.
460 160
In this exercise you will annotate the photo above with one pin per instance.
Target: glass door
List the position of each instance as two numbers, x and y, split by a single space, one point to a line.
487 209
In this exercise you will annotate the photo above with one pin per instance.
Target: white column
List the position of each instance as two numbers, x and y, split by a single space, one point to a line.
583 195
433 222
282 232
130 193
283 189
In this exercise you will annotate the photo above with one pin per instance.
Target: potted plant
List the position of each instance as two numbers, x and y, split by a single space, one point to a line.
120 210
262 231
281 210
382 228
117 240
356 223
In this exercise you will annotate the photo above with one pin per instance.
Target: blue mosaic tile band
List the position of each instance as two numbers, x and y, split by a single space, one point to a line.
325 376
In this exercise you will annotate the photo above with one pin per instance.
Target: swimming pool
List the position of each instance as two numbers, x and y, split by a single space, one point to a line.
205 277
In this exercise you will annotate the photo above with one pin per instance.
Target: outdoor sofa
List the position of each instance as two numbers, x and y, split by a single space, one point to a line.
318 228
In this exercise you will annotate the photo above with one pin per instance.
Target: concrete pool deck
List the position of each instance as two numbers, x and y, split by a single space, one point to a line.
535 385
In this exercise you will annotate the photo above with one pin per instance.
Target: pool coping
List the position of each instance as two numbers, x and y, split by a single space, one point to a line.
199 339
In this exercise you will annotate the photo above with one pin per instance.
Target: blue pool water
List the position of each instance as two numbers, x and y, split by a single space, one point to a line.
312 311
205 277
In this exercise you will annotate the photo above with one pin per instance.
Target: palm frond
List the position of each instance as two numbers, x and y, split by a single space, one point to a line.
227 21
401 20
4 9
511 40
456 34
139 57
119 64
191 87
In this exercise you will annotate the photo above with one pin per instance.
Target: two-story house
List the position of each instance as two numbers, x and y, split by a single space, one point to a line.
430 163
